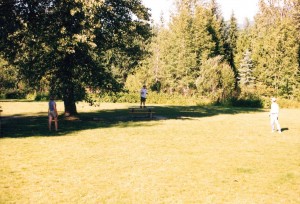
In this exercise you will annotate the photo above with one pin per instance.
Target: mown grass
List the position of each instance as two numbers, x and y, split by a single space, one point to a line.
185 155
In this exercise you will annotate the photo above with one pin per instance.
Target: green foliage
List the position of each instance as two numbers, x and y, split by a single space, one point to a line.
275 50
173 99
288 103
153 98
216 80
99 45
15 94
74 44
41 97
8 76
245 73
195 34
248 100
230 45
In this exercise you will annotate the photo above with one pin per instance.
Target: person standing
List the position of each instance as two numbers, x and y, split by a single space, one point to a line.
52 113
143 96
274 112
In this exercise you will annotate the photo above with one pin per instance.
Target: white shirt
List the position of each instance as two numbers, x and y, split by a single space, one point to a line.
143 92
274 108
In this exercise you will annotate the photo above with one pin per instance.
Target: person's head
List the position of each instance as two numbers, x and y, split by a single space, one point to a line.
273 99
144 86
52 97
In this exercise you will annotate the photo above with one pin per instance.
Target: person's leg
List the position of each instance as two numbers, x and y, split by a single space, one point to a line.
143 102
49 122
56 124
272 123
278 125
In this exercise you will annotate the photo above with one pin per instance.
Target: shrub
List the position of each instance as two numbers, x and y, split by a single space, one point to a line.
15 94
248 102
41 97
216 80
154 98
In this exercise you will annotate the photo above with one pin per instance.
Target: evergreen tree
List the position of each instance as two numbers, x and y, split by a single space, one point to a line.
231 42
181 58
245 73
217 28
243 43
276 50
202 39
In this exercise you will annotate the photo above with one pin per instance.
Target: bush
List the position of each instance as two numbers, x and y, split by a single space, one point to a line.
15 94
252 103
41 97
286 103
2 96
154 98
250 100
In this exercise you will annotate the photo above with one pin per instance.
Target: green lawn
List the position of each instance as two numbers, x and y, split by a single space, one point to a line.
184 155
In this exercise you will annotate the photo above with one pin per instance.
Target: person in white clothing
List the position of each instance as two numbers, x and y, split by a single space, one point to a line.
143 96
274 115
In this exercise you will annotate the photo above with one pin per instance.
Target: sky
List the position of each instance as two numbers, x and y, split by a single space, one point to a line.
241 8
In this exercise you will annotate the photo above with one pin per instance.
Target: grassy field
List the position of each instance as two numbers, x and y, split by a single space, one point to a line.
184 155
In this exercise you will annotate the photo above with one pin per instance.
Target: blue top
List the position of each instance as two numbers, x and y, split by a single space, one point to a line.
51 105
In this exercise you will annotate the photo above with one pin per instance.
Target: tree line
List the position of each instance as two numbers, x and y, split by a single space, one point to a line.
197 52
72 48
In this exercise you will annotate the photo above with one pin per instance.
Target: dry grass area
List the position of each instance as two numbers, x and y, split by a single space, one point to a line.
213 158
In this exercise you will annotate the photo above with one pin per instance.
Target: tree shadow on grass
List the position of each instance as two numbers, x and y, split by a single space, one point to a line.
19 126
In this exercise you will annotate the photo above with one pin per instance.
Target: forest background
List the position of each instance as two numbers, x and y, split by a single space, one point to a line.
106 51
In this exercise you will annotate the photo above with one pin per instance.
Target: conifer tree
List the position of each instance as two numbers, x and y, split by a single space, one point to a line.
245 73
217 28
243 43
276 50
202 39
181 58
231 42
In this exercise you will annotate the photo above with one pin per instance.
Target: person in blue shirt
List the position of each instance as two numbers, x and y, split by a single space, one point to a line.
52 113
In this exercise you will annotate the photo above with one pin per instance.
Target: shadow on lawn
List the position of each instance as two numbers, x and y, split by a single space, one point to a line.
18 126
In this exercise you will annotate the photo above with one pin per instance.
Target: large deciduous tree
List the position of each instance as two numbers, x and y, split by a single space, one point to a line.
74 44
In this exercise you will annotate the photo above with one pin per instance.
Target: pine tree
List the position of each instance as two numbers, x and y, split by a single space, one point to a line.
275 50
181 58
231 42
202 39
245 73
217 28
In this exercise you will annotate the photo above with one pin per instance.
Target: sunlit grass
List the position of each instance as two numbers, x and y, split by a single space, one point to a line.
193 155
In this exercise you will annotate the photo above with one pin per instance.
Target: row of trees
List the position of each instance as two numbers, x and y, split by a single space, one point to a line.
199 53
74 46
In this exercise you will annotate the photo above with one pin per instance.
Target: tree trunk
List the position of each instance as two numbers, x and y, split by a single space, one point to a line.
69 102
70 108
